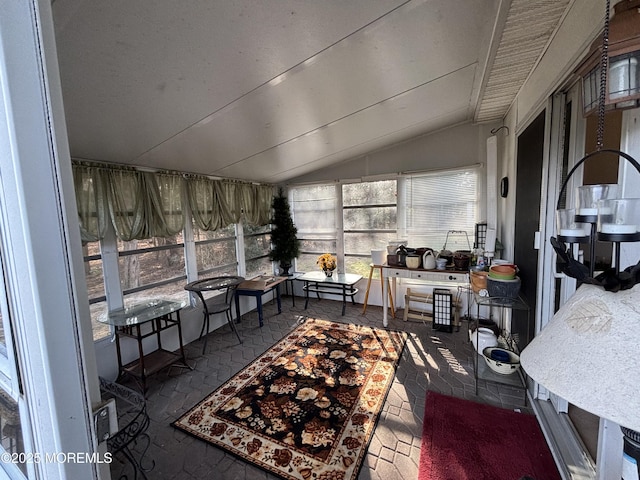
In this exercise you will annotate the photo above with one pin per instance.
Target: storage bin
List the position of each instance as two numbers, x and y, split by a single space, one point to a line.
503 288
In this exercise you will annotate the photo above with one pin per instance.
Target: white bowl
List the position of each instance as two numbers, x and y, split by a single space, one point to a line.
500 261
483 338
503 368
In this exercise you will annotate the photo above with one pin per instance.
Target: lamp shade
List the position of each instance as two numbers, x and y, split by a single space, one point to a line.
589 354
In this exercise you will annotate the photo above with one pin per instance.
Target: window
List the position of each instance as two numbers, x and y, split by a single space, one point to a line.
428 209
94 276
155 267
216 252
152 268
256 250
369 221
438 203
314 212
11 437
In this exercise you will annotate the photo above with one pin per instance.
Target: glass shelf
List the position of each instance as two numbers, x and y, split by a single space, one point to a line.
484 372
501 305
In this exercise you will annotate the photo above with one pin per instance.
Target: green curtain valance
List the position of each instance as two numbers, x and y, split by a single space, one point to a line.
142 205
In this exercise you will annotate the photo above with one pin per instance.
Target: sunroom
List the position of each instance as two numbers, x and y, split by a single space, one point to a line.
143 146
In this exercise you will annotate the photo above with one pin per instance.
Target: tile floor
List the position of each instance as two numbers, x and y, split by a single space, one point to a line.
442 362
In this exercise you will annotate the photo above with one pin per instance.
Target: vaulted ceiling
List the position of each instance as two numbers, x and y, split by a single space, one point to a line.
267 90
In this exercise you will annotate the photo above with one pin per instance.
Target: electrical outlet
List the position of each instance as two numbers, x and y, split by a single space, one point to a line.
105 420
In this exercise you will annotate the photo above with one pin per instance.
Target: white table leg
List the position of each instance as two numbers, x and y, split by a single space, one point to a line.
385 298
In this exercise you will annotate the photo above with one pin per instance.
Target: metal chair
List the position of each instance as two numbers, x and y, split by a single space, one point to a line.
220 303
132 436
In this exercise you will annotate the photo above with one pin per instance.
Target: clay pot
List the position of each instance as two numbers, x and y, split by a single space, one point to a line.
447 255
503 272
478 281
462 260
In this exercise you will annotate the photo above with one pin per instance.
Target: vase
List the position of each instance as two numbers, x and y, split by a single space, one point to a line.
284 268
328 273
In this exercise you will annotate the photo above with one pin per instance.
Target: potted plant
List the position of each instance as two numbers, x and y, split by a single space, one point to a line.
285 243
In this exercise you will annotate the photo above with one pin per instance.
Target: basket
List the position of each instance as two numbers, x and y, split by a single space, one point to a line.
478 281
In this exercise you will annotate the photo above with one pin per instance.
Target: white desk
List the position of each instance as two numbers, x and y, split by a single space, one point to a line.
425 276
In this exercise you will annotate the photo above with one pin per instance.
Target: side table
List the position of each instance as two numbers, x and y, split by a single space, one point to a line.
340 283
257 287
513 343
372 268
158 316
226 283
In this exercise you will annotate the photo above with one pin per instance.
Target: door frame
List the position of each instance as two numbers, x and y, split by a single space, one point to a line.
45 278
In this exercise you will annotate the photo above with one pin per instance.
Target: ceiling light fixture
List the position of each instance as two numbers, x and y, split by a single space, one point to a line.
623 59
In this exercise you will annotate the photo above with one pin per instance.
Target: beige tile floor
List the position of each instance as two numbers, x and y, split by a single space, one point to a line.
442 362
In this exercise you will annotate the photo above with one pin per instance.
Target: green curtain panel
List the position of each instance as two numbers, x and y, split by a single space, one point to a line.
93 211
142 205
256 204
207 201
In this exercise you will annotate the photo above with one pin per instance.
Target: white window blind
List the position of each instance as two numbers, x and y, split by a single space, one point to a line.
438 203
313 208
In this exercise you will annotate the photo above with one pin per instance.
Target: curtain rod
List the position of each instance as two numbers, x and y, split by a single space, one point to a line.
123 167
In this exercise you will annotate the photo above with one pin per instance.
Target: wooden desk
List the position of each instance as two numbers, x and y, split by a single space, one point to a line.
257 287
343 283
424 276
160 315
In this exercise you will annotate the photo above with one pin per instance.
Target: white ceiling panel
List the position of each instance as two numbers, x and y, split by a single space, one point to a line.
265 90
137 72
363 131
374 68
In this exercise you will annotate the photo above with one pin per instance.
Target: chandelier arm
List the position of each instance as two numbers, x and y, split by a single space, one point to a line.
626 156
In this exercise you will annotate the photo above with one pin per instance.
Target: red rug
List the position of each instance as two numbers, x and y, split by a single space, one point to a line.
464 440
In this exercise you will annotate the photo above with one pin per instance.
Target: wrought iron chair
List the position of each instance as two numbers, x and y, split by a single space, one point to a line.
132 413
218 304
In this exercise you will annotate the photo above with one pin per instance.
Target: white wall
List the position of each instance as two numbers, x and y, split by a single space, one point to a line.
458 146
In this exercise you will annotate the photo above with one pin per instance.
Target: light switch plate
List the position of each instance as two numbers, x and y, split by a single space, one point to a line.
536 241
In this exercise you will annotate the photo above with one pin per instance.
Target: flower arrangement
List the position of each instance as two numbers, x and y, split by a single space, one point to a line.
326 261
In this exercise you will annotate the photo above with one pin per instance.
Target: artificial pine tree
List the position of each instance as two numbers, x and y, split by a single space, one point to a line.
286 245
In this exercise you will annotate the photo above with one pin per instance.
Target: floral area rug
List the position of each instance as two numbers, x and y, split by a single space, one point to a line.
307 407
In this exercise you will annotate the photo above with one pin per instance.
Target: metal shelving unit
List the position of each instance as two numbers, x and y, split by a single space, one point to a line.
498 308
